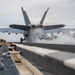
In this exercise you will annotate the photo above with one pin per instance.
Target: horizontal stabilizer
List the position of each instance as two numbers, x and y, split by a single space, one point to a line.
21 27
53 26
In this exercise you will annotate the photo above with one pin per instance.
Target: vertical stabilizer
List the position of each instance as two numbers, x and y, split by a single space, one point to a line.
42 20
26 19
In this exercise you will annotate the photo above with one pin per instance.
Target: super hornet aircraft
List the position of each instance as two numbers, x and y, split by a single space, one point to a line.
26 29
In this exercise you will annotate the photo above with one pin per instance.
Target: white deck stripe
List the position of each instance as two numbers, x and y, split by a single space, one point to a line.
70 63
37 50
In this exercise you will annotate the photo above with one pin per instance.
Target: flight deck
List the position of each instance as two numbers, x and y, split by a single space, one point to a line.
48 58
12 63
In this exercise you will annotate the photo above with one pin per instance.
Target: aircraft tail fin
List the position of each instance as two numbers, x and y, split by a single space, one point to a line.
26 18
42 20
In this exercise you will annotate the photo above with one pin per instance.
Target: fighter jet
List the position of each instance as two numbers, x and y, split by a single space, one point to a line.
29 29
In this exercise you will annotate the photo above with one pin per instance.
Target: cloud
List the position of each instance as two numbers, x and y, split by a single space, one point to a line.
59 11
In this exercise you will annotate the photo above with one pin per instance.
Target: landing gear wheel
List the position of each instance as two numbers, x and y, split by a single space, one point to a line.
21 40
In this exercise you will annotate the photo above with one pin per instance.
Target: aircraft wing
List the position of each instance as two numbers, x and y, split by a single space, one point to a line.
58 30
11 30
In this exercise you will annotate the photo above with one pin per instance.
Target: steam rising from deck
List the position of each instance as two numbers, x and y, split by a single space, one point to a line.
34 34
62 39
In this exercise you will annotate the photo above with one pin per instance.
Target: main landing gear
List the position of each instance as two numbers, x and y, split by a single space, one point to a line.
21 40
25 36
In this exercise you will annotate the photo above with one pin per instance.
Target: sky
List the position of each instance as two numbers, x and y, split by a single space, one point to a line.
60 12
